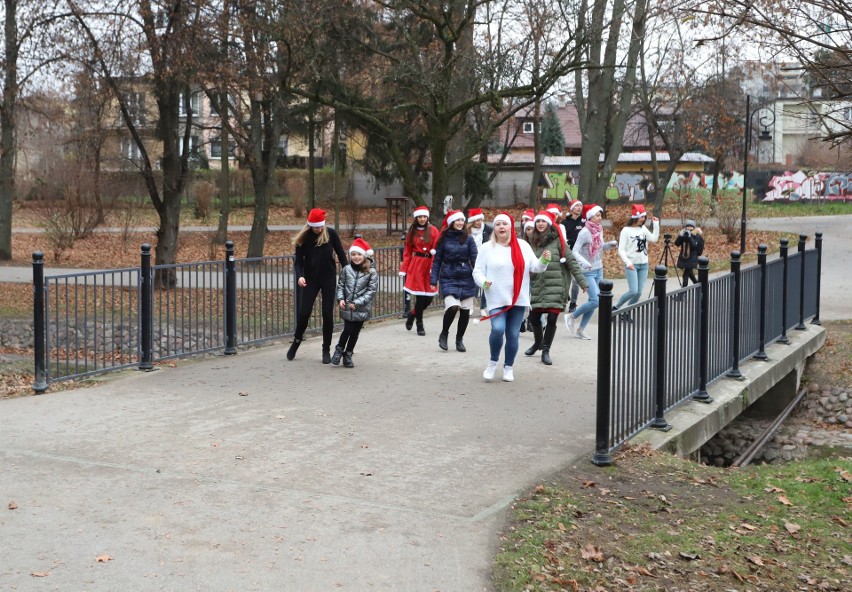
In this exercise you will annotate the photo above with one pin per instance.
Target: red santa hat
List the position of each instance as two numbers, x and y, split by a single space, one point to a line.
451 217
420 211
518 262
637 211
590 210
528 214
554 209
574 203
316 218
361 246
475 214
547 216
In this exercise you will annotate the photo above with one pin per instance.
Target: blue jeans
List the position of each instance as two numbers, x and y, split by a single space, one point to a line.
508 324
587 309
636 279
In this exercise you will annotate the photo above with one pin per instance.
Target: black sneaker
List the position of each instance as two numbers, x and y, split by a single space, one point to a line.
572 307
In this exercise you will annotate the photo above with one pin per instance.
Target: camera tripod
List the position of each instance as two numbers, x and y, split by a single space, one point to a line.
668 259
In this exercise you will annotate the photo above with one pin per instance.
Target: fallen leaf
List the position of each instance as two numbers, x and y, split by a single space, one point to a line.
840 521
40 574
644 571
13 506
807 479
783 499
748 526
588 484
560 526
592 553
689 556
244 394
792 528
539 488
773 490
844 474
103 558
756 560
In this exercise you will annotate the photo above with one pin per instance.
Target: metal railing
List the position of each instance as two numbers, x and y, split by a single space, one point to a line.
92 322
657 354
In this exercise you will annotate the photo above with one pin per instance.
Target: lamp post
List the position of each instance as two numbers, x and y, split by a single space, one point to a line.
765 121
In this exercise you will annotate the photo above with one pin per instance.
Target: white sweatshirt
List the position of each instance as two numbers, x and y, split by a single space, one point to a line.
494 264
633 243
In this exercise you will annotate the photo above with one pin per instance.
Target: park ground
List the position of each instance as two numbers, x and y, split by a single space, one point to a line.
650 522
656 522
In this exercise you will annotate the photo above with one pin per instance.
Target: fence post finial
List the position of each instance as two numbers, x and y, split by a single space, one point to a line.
702 395
761 262
735 334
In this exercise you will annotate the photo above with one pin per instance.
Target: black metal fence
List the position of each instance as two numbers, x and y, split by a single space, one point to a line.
657 354
93 322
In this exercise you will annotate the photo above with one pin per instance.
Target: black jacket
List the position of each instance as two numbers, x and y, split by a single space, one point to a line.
572 229
691 248
313 262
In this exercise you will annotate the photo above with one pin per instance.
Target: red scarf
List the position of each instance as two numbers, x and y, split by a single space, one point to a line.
596 231
519 264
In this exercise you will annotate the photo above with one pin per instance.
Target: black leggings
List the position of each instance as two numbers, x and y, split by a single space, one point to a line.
689 274
349 336
535 318
308 295
421 303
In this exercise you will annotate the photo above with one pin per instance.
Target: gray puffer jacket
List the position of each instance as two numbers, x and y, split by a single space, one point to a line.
357 287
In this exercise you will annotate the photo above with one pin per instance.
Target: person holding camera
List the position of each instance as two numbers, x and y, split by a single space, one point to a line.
691 243
633 250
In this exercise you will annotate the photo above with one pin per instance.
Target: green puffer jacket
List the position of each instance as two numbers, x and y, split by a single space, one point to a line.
550 288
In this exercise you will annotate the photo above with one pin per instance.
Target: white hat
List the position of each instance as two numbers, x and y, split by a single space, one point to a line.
420 211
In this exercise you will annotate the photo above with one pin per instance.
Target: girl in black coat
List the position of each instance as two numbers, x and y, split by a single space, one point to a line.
316 246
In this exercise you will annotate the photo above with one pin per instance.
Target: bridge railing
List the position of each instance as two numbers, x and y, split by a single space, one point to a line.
88 323
664 351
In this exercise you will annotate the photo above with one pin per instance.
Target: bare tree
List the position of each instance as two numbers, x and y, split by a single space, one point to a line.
609 36
27 50
140 43
413 96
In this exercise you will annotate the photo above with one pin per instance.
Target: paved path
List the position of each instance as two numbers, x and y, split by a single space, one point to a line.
254 473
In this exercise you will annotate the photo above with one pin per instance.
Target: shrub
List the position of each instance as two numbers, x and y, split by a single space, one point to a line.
728 215
204 192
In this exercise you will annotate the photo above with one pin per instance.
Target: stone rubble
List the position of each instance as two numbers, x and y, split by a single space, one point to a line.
822 419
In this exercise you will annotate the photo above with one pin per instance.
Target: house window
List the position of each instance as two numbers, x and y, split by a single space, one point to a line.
130 150
216 149
529 127
135 102
194 104
193 145
232 106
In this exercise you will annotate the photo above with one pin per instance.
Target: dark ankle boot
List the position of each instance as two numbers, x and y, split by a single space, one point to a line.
326 355
347 360
547 340
442 341
464 318
420 330
409 322
537 343
291 353
338 352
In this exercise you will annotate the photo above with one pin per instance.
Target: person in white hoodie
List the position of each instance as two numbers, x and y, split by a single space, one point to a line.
633 250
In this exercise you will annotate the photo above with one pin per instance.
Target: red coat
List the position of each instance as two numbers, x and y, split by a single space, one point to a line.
417 261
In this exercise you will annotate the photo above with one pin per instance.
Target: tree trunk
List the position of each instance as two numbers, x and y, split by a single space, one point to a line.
8 130
440 180
257 238
312 194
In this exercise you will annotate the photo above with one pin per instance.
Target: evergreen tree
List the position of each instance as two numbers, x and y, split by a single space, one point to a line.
552 140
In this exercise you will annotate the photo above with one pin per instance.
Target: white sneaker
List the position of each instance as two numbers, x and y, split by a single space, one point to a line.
490 370
582 335
508 374
483 312
569 322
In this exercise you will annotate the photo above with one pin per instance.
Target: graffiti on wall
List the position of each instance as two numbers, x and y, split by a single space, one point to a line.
802 185
768 186
625 187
